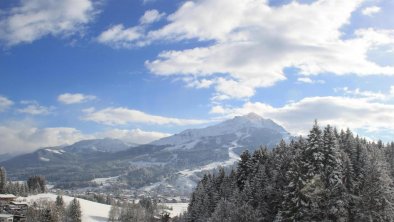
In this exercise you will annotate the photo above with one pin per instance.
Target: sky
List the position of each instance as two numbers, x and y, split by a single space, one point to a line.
139 70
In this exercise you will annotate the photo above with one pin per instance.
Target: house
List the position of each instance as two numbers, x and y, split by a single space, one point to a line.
6 218
20 205
7 197
18 209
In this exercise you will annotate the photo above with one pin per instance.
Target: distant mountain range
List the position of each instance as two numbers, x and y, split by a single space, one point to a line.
173 159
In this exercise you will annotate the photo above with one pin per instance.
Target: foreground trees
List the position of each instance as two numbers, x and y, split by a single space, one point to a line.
328 176
49 211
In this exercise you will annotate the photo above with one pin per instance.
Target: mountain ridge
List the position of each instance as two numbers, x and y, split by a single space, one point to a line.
181 155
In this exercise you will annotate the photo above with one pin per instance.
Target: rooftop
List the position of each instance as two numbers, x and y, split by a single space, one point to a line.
7 196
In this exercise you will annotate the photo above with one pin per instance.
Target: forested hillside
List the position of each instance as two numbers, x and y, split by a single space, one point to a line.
327 176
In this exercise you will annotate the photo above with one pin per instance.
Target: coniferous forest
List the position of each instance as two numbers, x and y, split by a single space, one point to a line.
327 176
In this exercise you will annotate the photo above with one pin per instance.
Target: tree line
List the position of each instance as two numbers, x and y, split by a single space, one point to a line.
33 185
54 211
327 176
146 210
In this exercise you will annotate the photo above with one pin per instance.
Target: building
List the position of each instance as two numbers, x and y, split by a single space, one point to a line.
18 209
7 197
6 218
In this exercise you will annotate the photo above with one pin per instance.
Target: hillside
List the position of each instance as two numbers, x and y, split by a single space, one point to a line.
91 211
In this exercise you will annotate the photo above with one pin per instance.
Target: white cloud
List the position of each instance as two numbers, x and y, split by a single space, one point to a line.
253 43
5 103
151 16
133 136
72 98
119 36
123 116
33 108
366 94
25 136
369 11
343 112
308 80
198 83
34 19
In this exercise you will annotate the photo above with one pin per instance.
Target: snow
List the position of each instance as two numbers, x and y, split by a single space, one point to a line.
55 151
91 211
177 208
44 159
233 157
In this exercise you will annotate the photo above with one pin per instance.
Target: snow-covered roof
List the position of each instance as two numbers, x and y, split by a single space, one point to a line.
7 196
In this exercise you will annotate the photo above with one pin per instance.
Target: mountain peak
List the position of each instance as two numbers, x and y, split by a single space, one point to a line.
235 126
252 116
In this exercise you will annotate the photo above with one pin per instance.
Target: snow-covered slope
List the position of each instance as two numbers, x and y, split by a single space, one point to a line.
91 211
200 150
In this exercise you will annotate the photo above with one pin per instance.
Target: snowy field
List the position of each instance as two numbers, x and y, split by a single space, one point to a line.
177 208
96 212
91 211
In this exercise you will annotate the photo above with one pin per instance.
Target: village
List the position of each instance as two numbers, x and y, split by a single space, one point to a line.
12 210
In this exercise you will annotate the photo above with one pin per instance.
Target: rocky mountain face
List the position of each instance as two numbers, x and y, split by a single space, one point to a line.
174 160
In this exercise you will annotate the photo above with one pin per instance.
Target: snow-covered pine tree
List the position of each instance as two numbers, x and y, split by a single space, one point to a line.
376 190
60 208
313 155
295 205
223 211
74 213
243 169
335 204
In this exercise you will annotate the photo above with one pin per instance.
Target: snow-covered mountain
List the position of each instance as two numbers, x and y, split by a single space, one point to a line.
180 157
237 125
250 131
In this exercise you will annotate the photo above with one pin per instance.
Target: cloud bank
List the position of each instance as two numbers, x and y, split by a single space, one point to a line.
122 116
251 43
33 19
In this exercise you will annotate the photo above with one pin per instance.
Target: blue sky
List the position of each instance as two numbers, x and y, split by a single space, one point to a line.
140 70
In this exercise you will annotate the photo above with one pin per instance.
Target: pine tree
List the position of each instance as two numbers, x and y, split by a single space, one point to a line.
377 195
60 209
243 169
3 179
332 177
295 205
74 213
313 154
222 211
